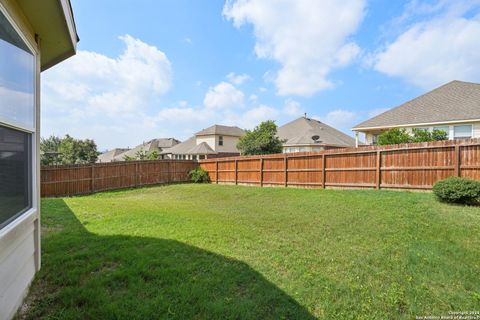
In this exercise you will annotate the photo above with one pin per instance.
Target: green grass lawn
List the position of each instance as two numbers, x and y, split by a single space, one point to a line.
227 252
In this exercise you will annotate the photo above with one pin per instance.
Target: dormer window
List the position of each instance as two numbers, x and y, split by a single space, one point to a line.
220 140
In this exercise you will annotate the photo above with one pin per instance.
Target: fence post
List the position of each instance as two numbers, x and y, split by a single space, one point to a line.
261 172
285 161
378 175
168 170
136 174
92 177
236 171
457 171
216 171
324 174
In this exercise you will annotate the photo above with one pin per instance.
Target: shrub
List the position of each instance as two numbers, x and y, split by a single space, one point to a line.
458 190
198 175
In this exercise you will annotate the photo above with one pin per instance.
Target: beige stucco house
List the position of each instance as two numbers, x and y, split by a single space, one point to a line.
212 142
453 108
34 35
306 135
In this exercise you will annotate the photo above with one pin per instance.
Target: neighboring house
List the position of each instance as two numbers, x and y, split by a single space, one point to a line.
453 107
305 134
213 142
158 145
108 156
34 36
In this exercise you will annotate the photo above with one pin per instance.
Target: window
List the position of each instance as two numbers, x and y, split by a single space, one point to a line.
220 140
17 122
462 132
15 174
17 78
374 138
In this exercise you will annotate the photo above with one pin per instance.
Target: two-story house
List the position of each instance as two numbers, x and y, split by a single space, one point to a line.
212 142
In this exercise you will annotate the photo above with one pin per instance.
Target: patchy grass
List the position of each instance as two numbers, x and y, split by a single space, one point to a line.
226 252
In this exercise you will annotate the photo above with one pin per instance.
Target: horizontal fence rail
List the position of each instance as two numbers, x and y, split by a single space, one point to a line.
57 181
404 166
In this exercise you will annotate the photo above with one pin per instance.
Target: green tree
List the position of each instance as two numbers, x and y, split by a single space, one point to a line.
76 151
49 150
141 155
261 140
67 150
129 158
439 135
394 136
154 155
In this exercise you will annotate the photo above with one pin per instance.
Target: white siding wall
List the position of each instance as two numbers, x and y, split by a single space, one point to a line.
18 262
476 130
20 240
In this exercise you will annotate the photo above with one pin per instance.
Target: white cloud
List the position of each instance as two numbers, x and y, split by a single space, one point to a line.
292 108
237 79
437 49
254 116
376 112
223 95
308 38
339 119
93 95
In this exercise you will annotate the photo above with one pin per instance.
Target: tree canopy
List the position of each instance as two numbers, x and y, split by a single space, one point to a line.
261 140
68 150
396 136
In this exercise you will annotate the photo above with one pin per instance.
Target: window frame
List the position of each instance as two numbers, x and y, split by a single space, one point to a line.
34 164
220 141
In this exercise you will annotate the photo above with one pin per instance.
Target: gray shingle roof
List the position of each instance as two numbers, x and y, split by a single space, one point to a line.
202 148
190 147
110 155
154 144
301 131
182 148
222 130
456 100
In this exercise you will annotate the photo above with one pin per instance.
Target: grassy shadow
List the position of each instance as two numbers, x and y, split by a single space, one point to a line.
87 276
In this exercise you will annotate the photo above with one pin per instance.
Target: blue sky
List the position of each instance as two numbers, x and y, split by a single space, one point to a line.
149 69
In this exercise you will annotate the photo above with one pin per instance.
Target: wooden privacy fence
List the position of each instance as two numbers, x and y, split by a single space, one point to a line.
59 181
406 166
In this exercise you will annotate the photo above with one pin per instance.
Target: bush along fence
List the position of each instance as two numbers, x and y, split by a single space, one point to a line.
59 181
404 166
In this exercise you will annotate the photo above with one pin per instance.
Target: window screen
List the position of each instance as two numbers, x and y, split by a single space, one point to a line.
15 174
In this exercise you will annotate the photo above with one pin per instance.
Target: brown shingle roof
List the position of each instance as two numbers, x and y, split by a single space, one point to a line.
301 131
456 100
221 130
